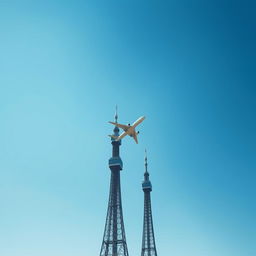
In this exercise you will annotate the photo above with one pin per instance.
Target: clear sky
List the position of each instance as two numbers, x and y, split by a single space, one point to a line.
188 66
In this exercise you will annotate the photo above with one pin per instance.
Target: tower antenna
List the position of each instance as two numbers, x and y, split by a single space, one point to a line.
116 115
146 161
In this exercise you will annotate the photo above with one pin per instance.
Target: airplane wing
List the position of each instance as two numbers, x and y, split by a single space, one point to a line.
121 136
135 137
137 122
122 126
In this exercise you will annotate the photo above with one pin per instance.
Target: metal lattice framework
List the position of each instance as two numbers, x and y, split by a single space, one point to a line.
148 237
114 241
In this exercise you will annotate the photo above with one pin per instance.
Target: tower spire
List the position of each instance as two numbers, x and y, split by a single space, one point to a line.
146 174
116 115
116 129
148 237
146 161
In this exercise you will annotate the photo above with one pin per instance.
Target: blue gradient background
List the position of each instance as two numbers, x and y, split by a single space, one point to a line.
189 66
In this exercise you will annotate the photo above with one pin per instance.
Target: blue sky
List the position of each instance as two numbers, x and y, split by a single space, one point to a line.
188 66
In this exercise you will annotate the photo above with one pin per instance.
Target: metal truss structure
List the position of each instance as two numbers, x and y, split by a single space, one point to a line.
114 241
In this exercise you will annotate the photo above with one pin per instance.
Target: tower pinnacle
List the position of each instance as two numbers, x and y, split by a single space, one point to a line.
146 184
146 161
116 115
116 129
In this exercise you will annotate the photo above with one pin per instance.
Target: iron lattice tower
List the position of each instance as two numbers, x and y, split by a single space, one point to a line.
114 241
148 237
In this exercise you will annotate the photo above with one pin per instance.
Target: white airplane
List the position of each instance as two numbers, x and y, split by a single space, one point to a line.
128 129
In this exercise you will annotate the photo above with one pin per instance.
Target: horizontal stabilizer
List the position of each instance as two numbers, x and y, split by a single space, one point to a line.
122 126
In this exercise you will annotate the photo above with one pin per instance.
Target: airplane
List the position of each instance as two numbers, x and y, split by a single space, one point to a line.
128 129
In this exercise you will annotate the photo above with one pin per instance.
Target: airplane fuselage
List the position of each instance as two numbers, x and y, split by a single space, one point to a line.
129 129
